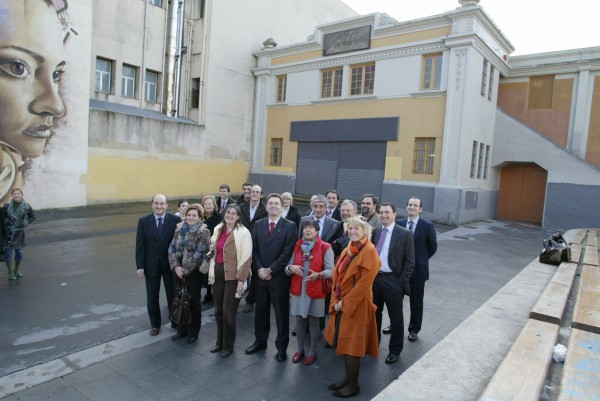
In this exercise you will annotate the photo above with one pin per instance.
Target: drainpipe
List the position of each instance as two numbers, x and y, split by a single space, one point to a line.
204 60
177 89
163 94
142 92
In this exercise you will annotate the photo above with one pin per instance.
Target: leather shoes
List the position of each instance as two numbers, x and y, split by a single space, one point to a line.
310 359
176 336
327 345
281 356
297 357
392 358
248 308
412 337
154 331
387 330
226 352
216 348
255 348
191 340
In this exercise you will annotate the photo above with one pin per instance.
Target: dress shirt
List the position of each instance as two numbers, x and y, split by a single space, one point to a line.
385 250
156 217
321 224
415 221
253 210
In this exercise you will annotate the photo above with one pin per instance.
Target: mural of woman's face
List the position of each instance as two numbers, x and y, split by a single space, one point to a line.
31 65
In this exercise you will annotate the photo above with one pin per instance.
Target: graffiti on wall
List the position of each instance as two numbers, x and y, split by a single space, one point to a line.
33 38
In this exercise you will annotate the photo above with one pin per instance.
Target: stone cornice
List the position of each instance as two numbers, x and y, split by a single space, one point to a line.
474 41
355 58
559 62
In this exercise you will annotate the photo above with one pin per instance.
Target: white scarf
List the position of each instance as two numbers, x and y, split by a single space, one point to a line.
243 247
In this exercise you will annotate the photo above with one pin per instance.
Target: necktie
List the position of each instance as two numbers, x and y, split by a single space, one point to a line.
271 228
411 225
223 205
160 226
328 213
381 240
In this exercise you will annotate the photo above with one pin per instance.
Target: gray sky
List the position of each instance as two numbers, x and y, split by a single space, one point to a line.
532 26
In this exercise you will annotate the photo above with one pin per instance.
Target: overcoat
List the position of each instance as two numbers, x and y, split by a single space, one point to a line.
357 334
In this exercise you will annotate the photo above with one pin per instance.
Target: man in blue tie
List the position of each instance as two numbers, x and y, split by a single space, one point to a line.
425 240
154 234
396 251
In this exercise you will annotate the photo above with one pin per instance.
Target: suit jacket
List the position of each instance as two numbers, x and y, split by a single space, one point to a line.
401 255
425 240
231 201
336 215
261 213
152 251
330 228
273 251
294 215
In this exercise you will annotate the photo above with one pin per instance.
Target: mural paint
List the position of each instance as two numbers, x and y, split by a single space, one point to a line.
39 114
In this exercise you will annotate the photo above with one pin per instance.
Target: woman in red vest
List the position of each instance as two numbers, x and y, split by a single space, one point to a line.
311 262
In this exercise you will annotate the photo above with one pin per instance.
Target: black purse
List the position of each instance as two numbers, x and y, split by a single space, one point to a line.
181 311
556 250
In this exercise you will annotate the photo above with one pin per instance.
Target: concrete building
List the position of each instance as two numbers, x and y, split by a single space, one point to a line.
372 105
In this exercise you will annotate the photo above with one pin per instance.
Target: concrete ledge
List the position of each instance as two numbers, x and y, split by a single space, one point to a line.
581 375
575 253
575 236
551 305
586 315
522 374
461 365
591 256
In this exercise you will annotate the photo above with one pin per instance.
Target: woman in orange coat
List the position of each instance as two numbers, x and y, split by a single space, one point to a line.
352 328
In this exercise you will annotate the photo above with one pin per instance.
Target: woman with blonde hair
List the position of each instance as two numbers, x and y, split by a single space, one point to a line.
352 328
229 269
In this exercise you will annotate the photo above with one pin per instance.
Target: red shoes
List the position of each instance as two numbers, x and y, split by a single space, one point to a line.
310 359
297 357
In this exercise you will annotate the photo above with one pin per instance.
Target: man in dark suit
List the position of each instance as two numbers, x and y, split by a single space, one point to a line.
224 199
273 241
333 210
425 240
154 234
245 196
252 211
348 209
329 226
397 253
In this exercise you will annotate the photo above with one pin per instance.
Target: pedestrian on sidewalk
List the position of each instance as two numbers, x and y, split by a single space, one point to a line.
153 237
352 327
211 219
187 251
18 214
311 262
229 269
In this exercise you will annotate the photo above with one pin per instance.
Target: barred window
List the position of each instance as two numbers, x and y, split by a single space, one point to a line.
480 160
491 86
432 72
331 82
424 156
473 159
487 162
362 80
281 87
276 151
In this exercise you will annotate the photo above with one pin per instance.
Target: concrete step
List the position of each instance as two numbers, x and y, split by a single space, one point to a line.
551 305
581 373
591 256
522 373
586 315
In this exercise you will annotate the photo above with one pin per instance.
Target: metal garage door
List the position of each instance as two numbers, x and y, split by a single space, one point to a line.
353 168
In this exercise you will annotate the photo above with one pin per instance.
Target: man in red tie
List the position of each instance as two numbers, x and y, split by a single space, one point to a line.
273 240
397 253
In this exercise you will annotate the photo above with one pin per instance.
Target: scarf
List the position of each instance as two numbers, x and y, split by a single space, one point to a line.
353 249
187 229
17 211
307 247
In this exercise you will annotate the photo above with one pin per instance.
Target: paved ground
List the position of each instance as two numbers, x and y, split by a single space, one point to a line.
81 309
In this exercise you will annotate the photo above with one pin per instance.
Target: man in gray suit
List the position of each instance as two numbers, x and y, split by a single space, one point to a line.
329 226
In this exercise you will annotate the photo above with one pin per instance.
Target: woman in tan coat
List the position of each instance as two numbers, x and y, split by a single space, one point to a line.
228 272
352 328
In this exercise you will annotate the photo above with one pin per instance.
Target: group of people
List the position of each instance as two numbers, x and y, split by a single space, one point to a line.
15 216
335 262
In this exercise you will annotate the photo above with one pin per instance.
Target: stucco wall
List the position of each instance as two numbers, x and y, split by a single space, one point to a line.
592 154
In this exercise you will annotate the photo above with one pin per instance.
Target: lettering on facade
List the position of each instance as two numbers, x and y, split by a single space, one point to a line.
347 41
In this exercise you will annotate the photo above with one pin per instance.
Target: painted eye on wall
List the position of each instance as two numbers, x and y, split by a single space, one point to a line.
15 68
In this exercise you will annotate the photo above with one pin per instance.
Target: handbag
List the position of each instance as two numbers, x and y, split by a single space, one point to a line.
181 311
327 285
556 250
205 266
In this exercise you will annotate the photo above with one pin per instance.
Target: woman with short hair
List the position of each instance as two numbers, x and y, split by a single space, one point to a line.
18 214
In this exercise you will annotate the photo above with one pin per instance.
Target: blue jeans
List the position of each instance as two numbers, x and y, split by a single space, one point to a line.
9 251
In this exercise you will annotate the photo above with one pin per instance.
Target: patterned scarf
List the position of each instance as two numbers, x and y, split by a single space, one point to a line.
353 249
307 247
187 229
